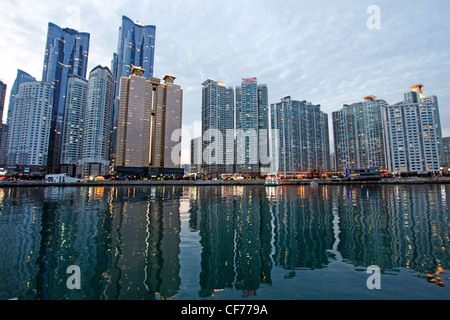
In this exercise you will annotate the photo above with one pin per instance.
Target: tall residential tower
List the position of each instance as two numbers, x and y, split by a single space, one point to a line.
358 135
413 134
29 133
96 124
136 47
66 53
149 125
252 128
301 137
72 134
217 128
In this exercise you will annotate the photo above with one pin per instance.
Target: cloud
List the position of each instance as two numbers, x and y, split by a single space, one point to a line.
320 51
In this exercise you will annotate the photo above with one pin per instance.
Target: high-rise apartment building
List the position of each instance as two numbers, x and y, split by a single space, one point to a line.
149 125
358 135
66 53
3 127
446 151
29 129
217 128
136 47
2 99
21 77
300 137
72 134
96 124
173 112
413 133
252 128
196 155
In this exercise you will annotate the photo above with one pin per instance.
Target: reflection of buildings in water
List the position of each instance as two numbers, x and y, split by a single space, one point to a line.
70 228
396 226
235 237
253 236
51 229
303 229
19 243
389 226
147 244
215 219
126 239
163 248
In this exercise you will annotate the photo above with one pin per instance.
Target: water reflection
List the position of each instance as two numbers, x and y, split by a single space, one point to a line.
127 241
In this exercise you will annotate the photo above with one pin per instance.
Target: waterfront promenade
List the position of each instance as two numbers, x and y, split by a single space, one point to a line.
37 183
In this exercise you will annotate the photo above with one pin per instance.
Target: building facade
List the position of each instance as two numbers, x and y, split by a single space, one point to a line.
300 137
136 47
149 124
72 134
217 129
30 125
94 160
446 152
252 128
413 134
66 53
196 155
2 99
358 135
21 77
3 126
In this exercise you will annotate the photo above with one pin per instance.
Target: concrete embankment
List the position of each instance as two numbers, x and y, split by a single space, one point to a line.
25 183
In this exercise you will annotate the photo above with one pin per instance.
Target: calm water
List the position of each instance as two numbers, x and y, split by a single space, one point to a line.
290 242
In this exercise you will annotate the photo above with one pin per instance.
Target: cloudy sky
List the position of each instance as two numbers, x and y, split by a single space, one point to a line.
319 51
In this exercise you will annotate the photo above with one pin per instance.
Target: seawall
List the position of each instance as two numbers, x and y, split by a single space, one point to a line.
25 183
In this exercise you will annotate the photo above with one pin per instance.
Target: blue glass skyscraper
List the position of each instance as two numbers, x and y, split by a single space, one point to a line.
66 53
136 47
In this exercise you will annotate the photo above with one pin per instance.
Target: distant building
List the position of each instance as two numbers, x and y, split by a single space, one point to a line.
196 155
4 143
2 105
29 129
358 135
413 133
2 99
301 138
149 126
446 151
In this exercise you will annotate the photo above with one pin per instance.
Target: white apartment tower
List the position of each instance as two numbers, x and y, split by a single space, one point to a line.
96 123
413 133
29 134
77 88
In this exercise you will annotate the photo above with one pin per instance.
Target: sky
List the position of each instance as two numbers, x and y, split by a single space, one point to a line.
325 52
